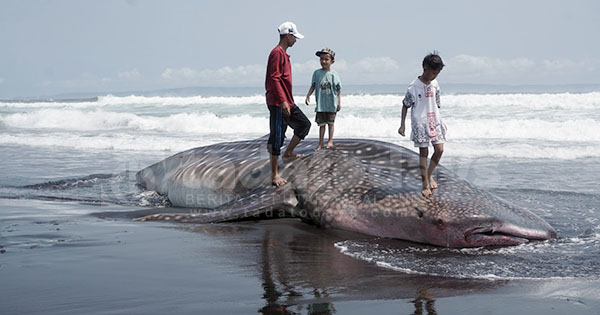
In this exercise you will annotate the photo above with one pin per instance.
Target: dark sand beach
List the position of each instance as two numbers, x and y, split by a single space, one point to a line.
88 259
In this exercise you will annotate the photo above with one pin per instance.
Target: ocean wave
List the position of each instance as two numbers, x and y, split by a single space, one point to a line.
513 138
181 101
173 142
578 130
578 101
142 142
134 100
519 150
97 120
572 101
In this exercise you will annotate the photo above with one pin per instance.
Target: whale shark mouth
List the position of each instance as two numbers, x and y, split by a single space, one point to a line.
500 235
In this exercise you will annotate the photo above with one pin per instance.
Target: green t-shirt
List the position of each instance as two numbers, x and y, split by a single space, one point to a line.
326 85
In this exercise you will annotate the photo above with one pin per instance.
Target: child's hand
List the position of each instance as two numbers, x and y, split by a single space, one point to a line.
339 107
401 130
307 101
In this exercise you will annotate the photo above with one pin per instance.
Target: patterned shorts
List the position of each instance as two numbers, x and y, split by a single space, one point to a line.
325 118
426 144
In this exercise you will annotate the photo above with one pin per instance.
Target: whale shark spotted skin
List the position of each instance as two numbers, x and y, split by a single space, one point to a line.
365 186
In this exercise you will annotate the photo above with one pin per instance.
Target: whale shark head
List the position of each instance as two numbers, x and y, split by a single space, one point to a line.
481 221
460 216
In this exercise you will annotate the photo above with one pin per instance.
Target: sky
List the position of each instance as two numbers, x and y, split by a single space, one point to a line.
80 46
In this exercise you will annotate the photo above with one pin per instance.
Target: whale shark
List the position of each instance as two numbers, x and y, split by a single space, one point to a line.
365 186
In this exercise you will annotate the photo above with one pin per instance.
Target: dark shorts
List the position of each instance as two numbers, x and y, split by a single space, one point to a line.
325 118
278 124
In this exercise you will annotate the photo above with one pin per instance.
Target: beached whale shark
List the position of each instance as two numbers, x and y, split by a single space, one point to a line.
365 186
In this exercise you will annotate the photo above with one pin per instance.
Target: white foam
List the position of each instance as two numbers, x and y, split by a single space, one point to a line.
582 130
535 129
572 130
74 119
531 101
121 142
482 149
110 100
534 139
413 260
572 101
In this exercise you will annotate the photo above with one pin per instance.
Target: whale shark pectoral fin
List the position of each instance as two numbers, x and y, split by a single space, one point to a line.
270 203
201 217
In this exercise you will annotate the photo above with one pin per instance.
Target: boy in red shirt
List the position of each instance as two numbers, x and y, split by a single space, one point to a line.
280 101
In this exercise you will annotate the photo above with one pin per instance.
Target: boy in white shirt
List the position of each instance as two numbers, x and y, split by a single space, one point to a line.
423 97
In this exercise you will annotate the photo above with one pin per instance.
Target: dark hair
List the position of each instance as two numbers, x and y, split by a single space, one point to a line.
433 61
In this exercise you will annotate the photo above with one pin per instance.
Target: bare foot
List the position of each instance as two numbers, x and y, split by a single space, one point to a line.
329 145
292 156
318 148
278 181
432 183
426 192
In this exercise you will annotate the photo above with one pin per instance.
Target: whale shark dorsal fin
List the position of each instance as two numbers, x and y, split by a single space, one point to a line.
269 202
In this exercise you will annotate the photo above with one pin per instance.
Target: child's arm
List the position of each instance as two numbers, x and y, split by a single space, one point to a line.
402 128
310 92
339 92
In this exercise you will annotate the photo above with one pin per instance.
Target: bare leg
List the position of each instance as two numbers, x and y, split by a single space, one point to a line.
435 160
289 152
423 153
321 136
275 178
330 142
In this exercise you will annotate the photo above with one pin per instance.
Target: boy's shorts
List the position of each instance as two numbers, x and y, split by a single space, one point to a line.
278 124
324 118
426 144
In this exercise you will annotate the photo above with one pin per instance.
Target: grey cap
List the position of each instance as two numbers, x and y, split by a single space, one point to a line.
326 51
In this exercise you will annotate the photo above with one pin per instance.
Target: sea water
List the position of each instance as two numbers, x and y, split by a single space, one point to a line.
537 147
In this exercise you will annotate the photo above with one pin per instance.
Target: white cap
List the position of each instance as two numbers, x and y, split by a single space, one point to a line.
289 28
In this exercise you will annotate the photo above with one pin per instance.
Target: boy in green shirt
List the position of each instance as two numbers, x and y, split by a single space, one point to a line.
326 83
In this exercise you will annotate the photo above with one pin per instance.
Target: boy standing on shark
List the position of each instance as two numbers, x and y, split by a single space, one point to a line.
423 97
327 87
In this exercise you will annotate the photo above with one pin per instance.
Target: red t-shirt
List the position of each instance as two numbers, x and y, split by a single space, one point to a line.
278 82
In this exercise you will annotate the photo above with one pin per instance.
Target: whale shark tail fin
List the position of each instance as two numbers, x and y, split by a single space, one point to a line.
260 203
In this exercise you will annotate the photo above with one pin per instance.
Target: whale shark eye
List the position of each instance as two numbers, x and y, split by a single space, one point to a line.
419 213
439 222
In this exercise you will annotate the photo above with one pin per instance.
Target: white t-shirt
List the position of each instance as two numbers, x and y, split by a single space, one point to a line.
424 101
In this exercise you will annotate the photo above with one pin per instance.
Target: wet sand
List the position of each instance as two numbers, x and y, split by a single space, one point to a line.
61 259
